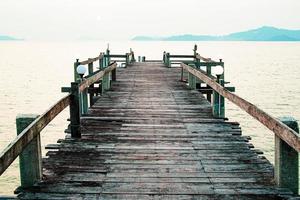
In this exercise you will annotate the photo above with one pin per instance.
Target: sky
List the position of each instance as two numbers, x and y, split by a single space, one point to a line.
124 19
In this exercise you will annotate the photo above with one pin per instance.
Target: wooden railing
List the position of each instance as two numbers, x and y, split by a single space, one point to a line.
9 154
29 127
287 140
198 61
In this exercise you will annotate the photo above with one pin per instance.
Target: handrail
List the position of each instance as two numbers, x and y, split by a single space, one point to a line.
91 60
28 137
181 56
11 152
92 79
204 59
278 128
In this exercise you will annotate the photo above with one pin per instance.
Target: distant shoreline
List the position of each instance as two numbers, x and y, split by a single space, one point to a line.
262 34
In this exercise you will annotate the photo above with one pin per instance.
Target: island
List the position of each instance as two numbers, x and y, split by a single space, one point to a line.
265 33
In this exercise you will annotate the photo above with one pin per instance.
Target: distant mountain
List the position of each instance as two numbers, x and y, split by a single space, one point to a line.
265 33
6 37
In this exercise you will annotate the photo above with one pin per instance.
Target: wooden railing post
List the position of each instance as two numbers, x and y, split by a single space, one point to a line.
104 82
222 99
83 100
101 61
76 75
127 58
192 81
195 50
287 160
168 63
197 65
30 158
91 70
216 100
75 111
208 71
114 75
132 55
108 57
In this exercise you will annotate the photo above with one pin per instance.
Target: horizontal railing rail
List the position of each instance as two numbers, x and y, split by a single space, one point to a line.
204 59
280 129
91 60
11 152
196 58
96 77
287 139
30 126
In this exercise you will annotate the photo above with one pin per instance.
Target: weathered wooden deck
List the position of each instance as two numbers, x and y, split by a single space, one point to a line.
151 137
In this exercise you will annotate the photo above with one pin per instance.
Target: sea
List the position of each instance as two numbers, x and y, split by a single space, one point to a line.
32 73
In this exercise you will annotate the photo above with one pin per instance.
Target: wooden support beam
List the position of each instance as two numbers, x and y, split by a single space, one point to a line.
280 129
31 157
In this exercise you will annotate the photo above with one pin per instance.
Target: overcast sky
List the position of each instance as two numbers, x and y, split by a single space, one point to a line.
124 19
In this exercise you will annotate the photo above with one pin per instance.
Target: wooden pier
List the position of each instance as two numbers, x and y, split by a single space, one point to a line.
151 135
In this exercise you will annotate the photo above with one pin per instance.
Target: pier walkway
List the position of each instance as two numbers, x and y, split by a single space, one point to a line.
152 137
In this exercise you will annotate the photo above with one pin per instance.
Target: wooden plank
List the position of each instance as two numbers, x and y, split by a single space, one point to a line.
149 137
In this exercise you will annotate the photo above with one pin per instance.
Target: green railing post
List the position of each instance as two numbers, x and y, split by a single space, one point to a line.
83 100
197 65
127 58
76 75
208 71
91 70
108 56
114 75
30 158
104 83
195 50
182 72
132 56
101 61
192 81
222 99
287 160
75 111
216 100
168 63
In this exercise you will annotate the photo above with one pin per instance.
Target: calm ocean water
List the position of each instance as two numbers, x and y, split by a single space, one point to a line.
265 73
